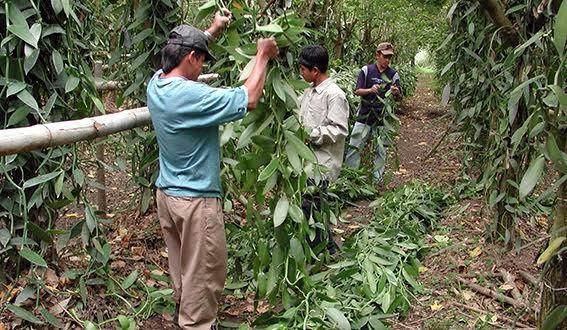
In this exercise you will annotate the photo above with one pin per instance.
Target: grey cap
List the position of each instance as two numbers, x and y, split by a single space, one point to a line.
189 36
385 48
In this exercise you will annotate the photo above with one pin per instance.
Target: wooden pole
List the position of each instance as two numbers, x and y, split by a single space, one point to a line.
17 140
100 171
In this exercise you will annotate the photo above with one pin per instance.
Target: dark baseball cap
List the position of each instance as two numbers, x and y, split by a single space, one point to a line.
189 36
385 48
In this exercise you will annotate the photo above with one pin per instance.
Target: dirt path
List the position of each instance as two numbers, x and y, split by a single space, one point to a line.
458 245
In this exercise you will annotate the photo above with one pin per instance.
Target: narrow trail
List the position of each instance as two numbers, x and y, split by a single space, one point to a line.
423 123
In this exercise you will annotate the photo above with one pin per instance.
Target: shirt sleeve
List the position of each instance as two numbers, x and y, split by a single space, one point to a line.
213 106
396 82
337 122
361 81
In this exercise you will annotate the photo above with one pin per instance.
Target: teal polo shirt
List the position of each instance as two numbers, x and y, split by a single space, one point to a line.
186 116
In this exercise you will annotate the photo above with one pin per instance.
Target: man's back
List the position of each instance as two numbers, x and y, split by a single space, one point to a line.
186 115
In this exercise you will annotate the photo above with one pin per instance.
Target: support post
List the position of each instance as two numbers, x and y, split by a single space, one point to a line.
100 171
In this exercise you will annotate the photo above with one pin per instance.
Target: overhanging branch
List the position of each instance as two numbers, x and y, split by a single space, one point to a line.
495 11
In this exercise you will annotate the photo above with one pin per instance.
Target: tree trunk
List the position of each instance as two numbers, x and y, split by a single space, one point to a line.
554 275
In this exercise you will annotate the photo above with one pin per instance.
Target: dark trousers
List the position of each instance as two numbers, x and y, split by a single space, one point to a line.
315 204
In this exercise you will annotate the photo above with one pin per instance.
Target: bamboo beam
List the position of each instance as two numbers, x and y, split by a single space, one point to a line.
17 140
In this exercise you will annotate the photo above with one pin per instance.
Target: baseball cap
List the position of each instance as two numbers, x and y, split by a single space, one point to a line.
385 48
189 36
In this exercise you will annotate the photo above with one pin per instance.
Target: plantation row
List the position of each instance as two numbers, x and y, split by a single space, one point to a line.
508 107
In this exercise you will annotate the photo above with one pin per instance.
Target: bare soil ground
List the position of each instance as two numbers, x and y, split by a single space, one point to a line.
448 303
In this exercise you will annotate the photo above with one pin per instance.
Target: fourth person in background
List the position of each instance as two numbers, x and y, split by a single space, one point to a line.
186 116
324 113
374 80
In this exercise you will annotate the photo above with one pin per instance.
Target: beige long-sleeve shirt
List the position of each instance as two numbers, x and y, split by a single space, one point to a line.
324 113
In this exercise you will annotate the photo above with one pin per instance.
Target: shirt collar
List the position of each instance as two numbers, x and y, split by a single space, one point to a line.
321 87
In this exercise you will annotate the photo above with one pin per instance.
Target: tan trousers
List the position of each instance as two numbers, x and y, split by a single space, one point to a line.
193 230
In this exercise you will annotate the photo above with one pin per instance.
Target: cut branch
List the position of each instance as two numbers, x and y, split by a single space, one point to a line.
493 294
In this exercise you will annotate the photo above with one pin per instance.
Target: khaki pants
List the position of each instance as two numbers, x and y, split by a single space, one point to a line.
193 230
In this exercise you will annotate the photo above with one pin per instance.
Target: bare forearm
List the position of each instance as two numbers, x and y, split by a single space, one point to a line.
256 80
363 91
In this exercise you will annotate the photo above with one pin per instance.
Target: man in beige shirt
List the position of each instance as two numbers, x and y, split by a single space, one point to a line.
324 110
324 113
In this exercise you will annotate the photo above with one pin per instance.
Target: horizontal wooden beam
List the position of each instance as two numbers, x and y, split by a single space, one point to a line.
17 140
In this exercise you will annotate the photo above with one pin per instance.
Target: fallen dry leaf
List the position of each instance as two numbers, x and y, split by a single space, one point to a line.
163 254
51 278
72 215
157 272
2 326
506 287
422 269
475 252
467 295
436 306
59 307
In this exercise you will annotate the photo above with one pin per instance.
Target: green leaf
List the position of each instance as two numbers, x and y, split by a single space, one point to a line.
30 60
530 41
280 212
71 84
561 95
557 315
549 252
296 213
54 321
558 157
91 218
128 281
532 176
66 7
269 170
18 116
206 9
560 29
88 325
35 31
273 28
59 184
278 86
24 33
57 6
5 236
41 179
247 70
28 99
50 103
23 314
57 61
293 158
339 318
296 250
32 257
300 147
15 15
14 88
139 61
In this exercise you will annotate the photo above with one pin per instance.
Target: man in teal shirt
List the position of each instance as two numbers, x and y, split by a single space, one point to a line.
186 116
